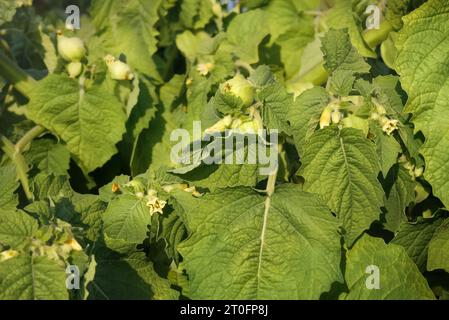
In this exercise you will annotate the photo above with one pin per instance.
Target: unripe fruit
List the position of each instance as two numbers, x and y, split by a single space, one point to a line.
74 69
71 49
241 88
118 69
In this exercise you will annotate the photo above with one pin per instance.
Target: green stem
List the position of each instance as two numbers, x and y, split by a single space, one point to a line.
11 72
375 37
20 163
318 75
244 65
28 137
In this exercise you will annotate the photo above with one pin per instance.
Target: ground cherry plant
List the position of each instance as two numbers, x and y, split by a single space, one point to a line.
206 149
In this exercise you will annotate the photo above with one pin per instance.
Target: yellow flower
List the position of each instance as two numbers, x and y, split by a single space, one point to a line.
8 254
204 68
154 203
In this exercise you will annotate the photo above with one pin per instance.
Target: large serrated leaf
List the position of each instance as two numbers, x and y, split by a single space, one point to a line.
339 53
32 278
125 277
17 228
439 248
79 117
245 33
9 184
342 167
127 218
286 248
422 64
399 278
128 28
415 238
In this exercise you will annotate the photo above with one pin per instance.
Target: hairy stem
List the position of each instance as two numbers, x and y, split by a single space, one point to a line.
244 65
11 72
21 165
28 137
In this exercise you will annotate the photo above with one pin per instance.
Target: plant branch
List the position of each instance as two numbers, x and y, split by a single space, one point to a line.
10 71
244 65
21 165
28 137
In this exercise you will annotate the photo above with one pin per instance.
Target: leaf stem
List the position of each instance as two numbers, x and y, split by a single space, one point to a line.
28 137
21 165
11 72
244 65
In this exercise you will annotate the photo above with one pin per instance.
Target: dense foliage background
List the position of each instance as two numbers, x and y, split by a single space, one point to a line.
92 207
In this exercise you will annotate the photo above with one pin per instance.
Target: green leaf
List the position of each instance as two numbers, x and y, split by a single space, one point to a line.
32 278
341 82
128 27
286 248
17 228
127 218
399 193
345 15
293 43
51 187
133 274
387 148
415 238
227 103
8 10
342 167
49 157
87 213
8 199
277 102
421 62
245 33
79 116
339 53
212 171
399 278
262 77
196 14
196 45
305 114
439 248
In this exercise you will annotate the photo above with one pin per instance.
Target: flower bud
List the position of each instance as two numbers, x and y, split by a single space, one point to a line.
325 119
8 254
336 116
204 68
